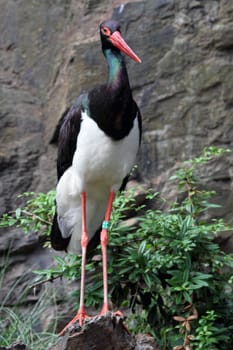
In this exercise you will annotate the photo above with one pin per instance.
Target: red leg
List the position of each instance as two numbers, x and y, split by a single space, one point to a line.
81 314
104 243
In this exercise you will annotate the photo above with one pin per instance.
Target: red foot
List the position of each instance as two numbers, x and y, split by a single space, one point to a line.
105 310
118 313
121 315
79 317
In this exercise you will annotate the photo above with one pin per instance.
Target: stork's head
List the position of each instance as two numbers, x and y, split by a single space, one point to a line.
110 34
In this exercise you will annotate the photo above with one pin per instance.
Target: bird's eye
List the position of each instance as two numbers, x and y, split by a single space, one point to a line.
106 31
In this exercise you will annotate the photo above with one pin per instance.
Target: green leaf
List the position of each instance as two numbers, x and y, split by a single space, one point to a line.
18 213
147 280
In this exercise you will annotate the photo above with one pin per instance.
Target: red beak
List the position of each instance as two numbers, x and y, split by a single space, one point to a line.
120 43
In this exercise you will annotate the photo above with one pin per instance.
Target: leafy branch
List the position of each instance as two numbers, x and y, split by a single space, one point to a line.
36 215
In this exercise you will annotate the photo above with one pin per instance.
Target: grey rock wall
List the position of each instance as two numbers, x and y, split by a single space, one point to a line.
50 52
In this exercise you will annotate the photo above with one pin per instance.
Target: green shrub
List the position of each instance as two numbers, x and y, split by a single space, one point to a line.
167 271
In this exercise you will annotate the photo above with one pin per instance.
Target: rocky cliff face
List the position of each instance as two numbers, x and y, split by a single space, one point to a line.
50 52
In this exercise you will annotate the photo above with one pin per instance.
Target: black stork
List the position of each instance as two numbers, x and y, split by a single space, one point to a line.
98 141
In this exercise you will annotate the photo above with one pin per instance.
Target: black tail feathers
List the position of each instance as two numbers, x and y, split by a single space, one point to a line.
57 241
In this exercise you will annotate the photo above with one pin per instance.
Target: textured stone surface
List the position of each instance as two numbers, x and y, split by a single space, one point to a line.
103 332
106 332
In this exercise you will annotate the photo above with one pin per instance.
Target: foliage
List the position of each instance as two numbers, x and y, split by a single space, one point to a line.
20 324
208 336
167 268
36 215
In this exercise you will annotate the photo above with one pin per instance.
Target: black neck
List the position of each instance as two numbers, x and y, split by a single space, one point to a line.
117 73
112 105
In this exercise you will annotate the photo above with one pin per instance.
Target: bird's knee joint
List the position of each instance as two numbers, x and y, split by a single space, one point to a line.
84 240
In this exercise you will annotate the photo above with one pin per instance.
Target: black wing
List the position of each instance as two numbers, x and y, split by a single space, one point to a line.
66 135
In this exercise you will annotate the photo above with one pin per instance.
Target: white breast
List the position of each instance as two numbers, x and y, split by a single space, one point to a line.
99 166
100 159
